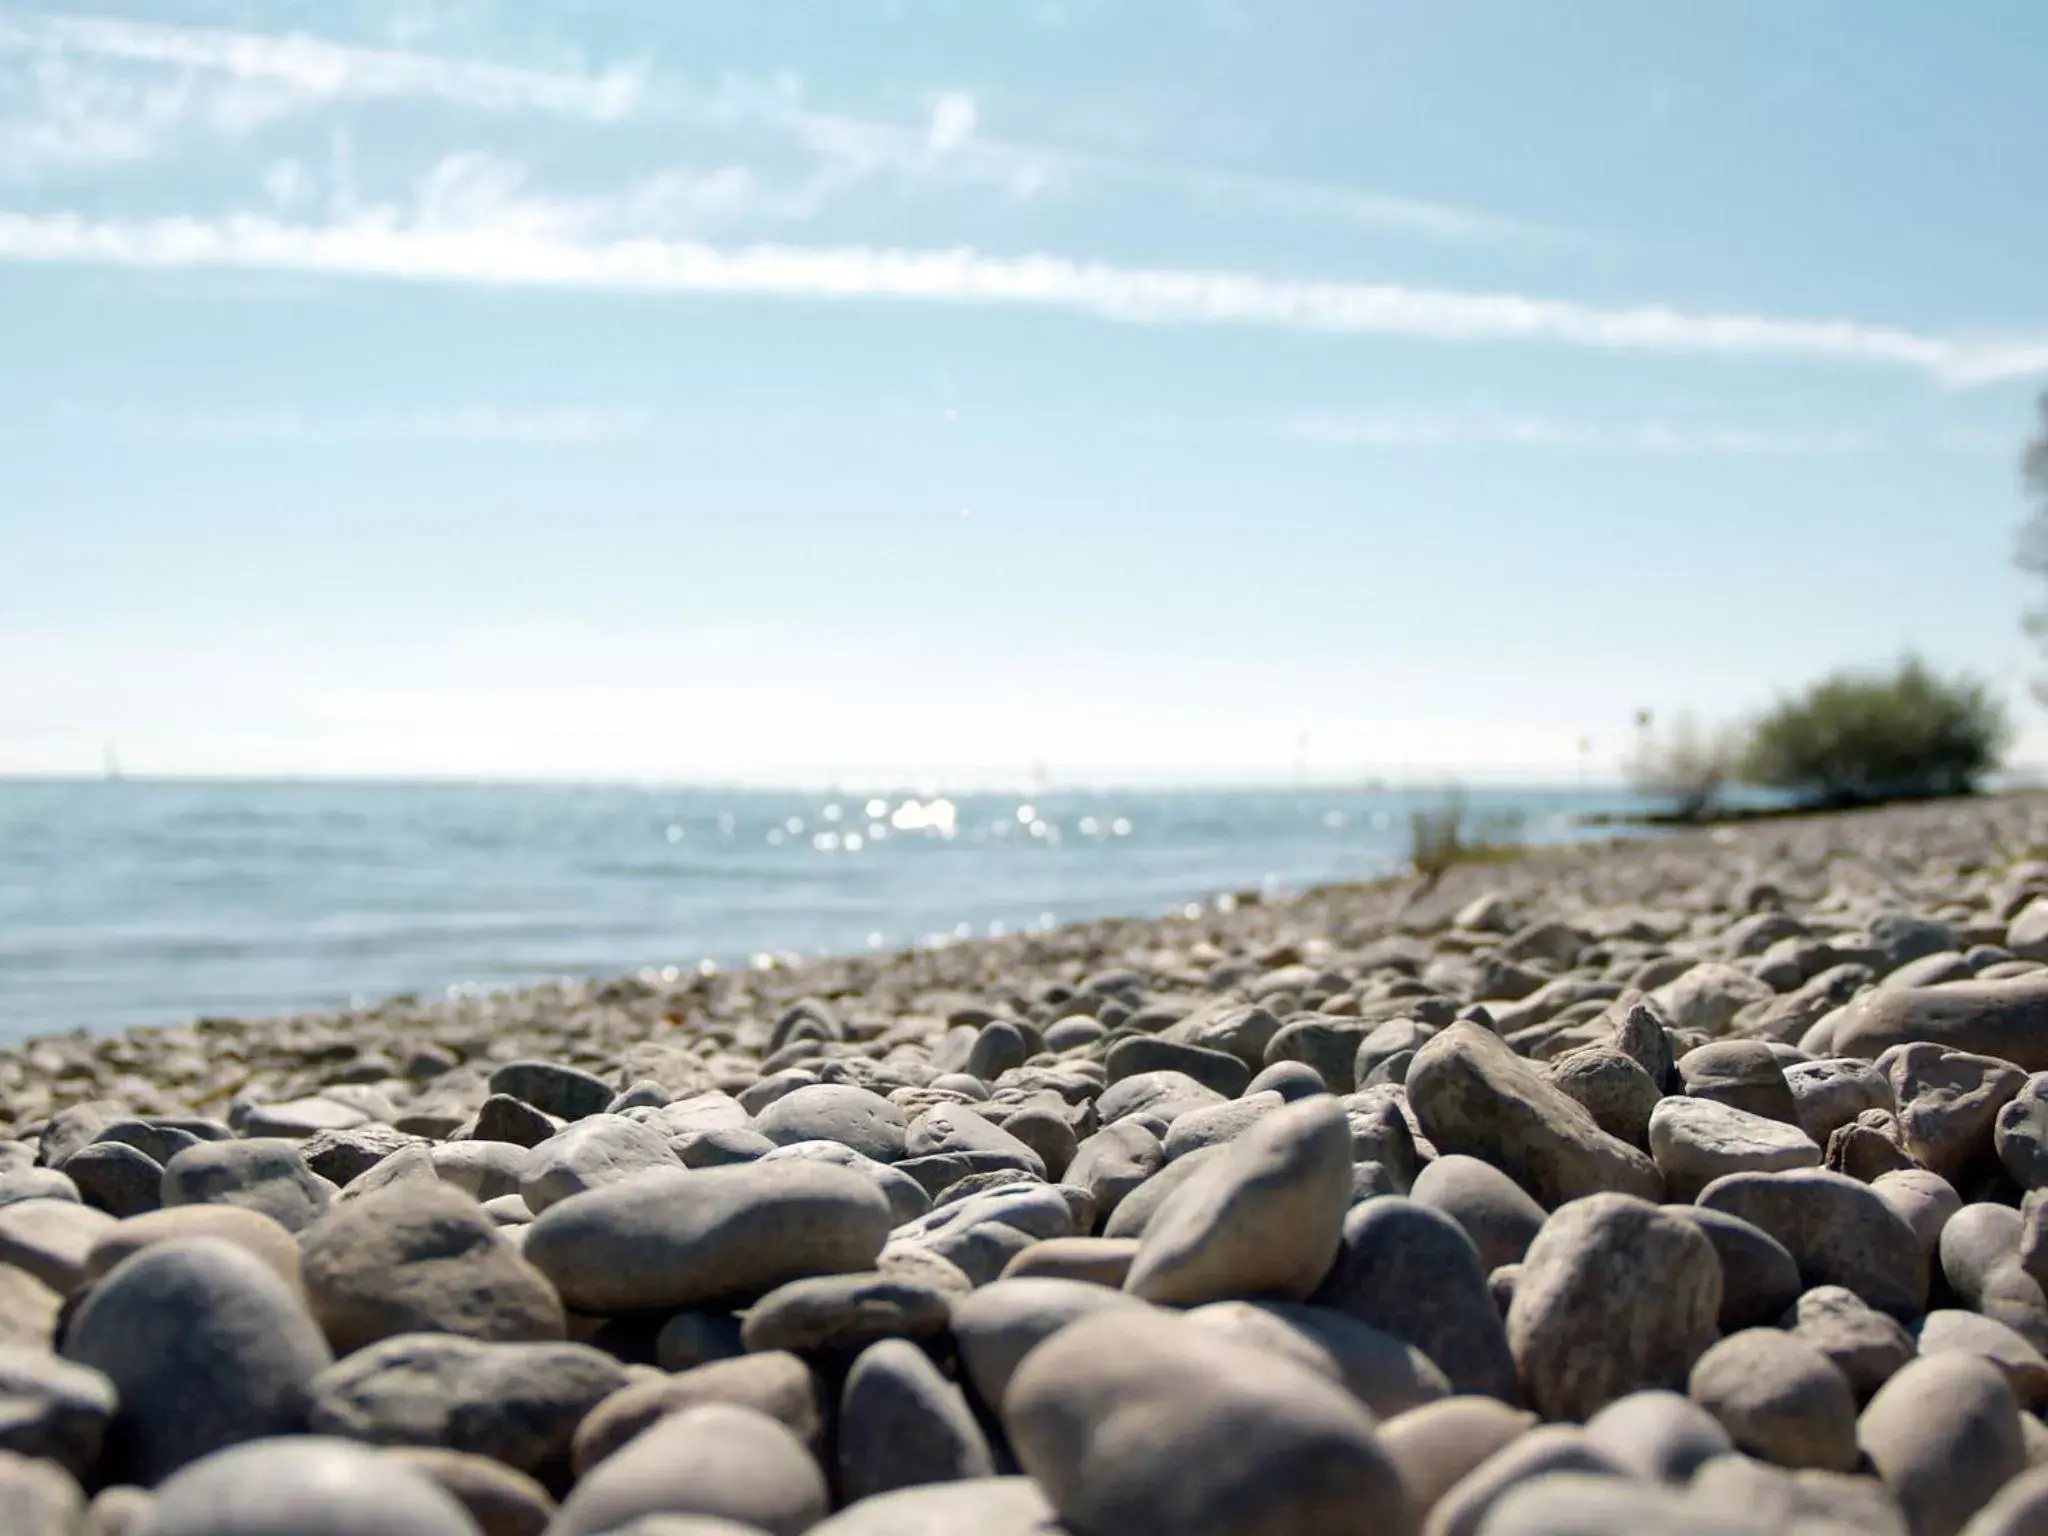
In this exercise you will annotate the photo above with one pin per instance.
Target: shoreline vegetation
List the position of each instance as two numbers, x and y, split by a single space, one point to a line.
1451 852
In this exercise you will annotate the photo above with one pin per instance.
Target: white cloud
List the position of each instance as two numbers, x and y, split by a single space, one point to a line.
80 91
527 250
456 424
320 70
953 118
1424 430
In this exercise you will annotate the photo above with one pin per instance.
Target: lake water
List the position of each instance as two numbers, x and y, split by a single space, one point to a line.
155 902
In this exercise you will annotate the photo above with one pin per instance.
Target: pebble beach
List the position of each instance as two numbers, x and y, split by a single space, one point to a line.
1682 1185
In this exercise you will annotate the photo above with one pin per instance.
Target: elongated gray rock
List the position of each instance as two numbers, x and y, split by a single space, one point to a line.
1473 1094
674 1240
2004 1019
1839 1232
1262 1218
1696 1141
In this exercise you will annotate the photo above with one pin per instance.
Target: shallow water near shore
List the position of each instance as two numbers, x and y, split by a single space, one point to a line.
145 902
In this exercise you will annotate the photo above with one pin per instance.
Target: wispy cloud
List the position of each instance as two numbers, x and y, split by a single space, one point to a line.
1554 434
321 70
526 253
494 424
80 91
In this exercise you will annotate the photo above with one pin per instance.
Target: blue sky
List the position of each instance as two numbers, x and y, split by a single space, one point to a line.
800 391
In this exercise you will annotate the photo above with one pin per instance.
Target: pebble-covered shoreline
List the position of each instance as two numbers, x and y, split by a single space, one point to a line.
1684 1186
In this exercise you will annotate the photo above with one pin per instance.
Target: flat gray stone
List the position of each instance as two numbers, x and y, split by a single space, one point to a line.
593 1152
853 1117
1696 1141
907 1198
844 1314
421 1259
1744 1074
666 1241
949 1128
300 1118
267 1175
19 1184
309 1486
2007 1020
519 1404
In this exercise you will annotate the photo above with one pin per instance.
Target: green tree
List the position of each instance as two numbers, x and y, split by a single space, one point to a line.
1856 737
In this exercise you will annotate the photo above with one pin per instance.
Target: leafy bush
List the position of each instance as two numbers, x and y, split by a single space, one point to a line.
1687 766
1856 737
1441 836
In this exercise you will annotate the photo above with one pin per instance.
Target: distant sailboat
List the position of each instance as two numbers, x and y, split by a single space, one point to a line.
112 764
